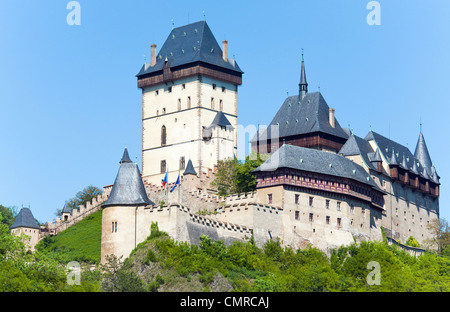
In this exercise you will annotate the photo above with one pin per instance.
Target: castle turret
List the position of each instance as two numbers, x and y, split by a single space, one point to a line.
66 212
119 219
26 224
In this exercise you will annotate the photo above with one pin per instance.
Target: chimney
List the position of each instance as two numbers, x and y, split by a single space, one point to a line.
153 55
331 117
225 50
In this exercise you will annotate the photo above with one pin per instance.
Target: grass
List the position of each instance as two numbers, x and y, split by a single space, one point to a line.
80 242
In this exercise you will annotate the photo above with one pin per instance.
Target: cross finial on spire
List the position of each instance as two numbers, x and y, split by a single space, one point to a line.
302 55
420 125
172 23
204 15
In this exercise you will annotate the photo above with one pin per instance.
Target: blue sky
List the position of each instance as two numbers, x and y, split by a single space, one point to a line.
70 103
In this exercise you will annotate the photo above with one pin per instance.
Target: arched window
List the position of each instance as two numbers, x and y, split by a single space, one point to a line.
163 135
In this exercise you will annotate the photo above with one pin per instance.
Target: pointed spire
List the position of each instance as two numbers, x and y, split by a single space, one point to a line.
66 209
421 152
414 168
303 86
392 159
125 157
189 169
403 164
128 188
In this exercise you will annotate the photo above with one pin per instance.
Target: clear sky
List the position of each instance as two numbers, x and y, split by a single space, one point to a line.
70 103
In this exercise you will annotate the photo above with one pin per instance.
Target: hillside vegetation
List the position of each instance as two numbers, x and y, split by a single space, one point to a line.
162 264
80 242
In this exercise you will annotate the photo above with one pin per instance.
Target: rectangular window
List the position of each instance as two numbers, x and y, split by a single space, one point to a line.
297 197
311 217
179 104
169 89
327 219
327 203
352 209
114 227
339 222
269 198
183 86
297 215
338 206
223 89
311 199
163 166
212 103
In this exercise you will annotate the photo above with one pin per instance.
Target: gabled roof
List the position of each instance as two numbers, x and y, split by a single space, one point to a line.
25 219
312 160
308 115
189 44
128 188
358 146
189 169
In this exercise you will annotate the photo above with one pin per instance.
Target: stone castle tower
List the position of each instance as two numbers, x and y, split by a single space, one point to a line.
189 104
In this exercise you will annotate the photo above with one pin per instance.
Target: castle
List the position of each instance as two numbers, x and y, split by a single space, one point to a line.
322 185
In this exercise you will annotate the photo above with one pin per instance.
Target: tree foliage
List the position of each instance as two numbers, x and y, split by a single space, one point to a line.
234 177
80 198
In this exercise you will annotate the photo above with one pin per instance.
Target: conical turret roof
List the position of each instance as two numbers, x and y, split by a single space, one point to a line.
422 154
189 169
128 188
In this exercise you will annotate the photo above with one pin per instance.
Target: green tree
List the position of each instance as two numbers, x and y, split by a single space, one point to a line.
440 236
81 198
234 177
8 214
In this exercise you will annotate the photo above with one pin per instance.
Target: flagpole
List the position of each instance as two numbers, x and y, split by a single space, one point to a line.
179 187
167 185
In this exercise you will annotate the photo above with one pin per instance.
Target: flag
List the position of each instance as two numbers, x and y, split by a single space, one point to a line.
176 183
164 182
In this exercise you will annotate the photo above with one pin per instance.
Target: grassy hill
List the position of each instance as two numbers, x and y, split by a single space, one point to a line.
80 242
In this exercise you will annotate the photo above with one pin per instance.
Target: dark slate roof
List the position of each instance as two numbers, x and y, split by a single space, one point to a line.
128 188
358 146
221 120
125 157
25 219
189 44
398 155
309 115
66 209
421 152
189 169
312 160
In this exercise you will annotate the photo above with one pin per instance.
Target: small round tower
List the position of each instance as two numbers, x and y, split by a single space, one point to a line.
119 218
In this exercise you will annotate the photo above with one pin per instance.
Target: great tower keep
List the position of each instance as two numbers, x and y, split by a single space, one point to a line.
189 104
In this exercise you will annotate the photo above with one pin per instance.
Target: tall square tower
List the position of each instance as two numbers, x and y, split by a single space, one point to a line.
189 104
